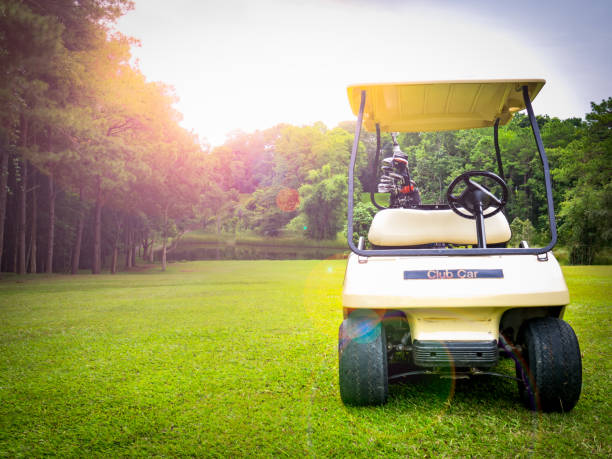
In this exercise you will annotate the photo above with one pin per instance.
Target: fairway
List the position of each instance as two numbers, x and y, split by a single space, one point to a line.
238 358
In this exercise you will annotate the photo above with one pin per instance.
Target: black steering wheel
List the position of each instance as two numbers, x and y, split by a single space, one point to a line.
476 198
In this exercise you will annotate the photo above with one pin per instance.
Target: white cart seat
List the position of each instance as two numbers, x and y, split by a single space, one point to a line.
402 227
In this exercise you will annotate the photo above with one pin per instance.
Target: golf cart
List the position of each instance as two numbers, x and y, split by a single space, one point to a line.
438 288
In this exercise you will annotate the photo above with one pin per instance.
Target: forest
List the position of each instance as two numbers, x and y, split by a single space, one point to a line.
96 170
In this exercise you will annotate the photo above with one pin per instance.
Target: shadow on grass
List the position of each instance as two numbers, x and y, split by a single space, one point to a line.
485 390
428 408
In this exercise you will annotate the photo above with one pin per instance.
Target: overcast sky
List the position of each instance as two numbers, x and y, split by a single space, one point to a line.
245 64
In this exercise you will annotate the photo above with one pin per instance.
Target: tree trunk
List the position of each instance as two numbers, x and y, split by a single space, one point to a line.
113 269
34 231
134 249
97 246
151 252
22 201
115 257
145 246
128 243
164 239
76 253
4 156
16 253
21 225
51 234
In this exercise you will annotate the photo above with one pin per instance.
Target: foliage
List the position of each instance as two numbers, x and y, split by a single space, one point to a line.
363 213
83 121
323 202
263 213
298 225
584 169
586 225
522 230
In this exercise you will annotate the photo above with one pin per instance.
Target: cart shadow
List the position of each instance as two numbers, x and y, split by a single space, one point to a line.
485 390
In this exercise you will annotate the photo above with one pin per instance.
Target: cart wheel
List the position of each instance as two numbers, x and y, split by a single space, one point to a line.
362 349
553 374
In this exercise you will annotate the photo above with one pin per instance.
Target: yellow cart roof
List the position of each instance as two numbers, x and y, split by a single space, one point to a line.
441 105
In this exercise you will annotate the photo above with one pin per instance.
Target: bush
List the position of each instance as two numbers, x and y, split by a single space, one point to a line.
522 230
363 213
586 223
324 204
298 225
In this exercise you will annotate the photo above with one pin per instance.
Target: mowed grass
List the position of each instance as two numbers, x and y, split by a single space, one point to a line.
287 239
238 358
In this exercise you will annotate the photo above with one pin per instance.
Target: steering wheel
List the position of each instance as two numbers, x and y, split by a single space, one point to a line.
476 198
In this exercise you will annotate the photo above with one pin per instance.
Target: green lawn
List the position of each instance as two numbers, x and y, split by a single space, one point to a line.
286 239
238 358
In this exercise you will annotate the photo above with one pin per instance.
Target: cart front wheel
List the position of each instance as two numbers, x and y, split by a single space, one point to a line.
551 369
362 349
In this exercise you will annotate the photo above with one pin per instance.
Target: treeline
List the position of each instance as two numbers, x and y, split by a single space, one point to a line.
257 171
92 158
95 170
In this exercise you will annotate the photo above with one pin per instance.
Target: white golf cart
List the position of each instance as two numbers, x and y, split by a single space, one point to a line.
439 289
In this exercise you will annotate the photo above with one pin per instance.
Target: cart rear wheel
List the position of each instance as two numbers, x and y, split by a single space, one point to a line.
553 365
362 349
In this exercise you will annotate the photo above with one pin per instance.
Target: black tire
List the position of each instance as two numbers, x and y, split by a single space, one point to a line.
553 365
362 350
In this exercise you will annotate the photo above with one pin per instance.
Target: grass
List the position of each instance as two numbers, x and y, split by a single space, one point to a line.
284 240
381 198
238 358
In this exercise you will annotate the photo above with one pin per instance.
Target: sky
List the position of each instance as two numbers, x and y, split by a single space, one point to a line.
249 65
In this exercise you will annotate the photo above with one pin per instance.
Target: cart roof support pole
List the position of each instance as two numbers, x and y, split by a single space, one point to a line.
351 177
375 169
500 167
548 184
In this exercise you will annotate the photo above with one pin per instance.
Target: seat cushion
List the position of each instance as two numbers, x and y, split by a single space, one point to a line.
402 227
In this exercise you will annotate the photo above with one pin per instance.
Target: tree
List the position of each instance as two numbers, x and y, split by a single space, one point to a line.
362 219
323 202
29 41
268 210
42 43
175 176
294 154
586 223
585 169
121 105
522 230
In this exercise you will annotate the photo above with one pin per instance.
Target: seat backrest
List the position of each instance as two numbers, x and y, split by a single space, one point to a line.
404 227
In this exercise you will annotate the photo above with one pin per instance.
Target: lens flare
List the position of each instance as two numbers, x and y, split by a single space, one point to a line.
288 199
